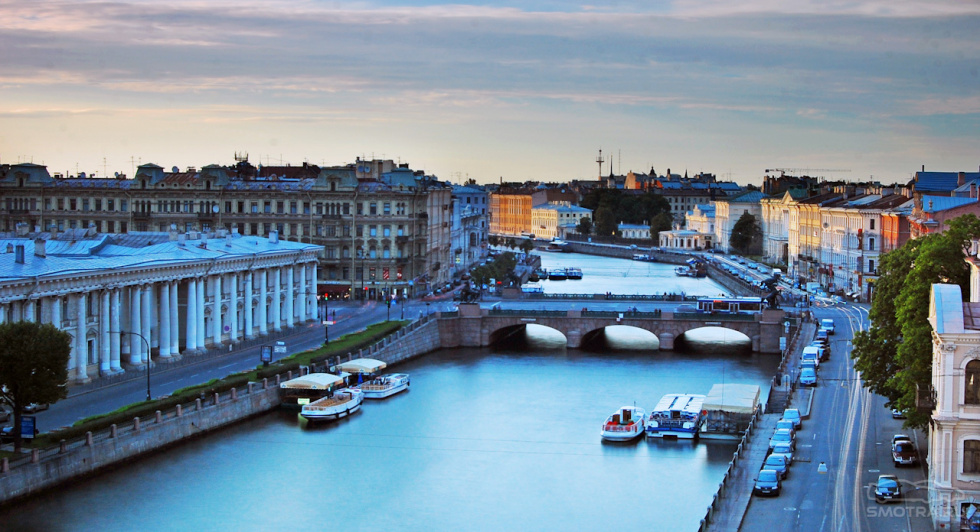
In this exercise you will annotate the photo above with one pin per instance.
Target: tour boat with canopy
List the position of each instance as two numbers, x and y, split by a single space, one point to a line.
335 405
676 416
375 386
624 425
306 389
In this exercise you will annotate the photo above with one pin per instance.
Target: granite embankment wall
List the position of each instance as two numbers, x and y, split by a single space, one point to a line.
44 469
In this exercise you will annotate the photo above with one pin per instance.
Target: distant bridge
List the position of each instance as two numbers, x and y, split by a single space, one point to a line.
472 326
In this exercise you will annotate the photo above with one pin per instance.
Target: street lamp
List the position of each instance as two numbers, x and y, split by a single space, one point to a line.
149 359
326 317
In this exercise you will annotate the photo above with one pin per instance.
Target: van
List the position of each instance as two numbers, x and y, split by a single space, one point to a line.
811 353
828 325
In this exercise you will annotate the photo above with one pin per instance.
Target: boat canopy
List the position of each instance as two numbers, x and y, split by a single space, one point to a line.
362 365
312 381
739 398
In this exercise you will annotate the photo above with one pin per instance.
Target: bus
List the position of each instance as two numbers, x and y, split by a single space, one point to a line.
732 305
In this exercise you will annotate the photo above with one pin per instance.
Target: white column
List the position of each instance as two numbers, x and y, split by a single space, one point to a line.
135 326
216 325
146 315
277 300
191 323
153 333
233 308
201 333
3 313
304 298
30 311
263 295
290 304
313 289
164 319
114 328
56 312
81 346
174 320
249 334
105 344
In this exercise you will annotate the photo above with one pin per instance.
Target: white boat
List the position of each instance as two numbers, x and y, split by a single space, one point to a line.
374 386
308 388
624 425
676 416
335 405
385 386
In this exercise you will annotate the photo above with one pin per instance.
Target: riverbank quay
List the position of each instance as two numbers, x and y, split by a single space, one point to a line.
734 494
46 468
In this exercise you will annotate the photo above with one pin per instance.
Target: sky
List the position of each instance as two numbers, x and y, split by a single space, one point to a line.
517 91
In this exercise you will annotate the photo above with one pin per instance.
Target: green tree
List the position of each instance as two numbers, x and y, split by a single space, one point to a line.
661 222
527 245
746 235
894 355
584 226
493 240
33 366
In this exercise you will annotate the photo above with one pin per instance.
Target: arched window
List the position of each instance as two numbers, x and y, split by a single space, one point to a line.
971 456
972 384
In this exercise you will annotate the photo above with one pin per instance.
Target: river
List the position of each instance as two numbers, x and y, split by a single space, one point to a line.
622 276
485 439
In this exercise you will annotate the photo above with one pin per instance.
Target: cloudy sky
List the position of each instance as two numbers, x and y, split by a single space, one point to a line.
518 90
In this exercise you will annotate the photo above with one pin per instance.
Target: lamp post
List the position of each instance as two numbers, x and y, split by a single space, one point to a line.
326 317
149 359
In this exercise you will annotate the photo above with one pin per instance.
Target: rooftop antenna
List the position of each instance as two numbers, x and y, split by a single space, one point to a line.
600 160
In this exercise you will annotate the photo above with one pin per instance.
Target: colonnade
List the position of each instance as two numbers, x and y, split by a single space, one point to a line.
121 324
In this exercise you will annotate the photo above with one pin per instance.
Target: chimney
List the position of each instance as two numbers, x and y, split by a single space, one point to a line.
181 239
961 179
204 240
39 247
10 248
22 229
228 241
923 168
973 189
19 254
273 237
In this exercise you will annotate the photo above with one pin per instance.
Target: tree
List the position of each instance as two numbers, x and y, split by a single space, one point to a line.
894 355
527 245
33 366
660 222
746 235
584 226
493 240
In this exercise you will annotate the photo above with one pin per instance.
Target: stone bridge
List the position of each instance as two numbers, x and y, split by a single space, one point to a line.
472 326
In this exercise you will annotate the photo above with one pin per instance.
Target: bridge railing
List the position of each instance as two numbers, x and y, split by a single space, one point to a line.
527 313
613 297
714 316
657 314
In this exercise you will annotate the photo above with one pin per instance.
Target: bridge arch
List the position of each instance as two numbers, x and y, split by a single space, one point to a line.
621 337
541 336
714 337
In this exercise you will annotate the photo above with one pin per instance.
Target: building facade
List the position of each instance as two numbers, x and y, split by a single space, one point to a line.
553 220
510 212
729 210
140 298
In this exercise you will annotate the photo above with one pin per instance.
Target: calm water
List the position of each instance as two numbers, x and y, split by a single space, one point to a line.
484 440
622 276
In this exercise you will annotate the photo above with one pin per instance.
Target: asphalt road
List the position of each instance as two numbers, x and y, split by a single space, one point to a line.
850 431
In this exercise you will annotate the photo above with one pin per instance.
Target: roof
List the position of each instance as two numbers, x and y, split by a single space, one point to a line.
633 226
752 196
940 181
312 381
739 398
362 365
946 308
944 203
71 254
562 208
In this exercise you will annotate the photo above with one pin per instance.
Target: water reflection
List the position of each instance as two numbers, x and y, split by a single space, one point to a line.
622 338
713 340
623 276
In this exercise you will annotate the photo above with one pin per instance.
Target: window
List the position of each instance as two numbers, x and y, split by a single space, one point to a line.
871 266
267 207
374 209
228 206
123 207
306 207
360 230
871 244
280 209
98 205
241 207
971 456
972 385
72 205
872 222
255 208
387 231
346 208
387 207
374 230
292 207
360 209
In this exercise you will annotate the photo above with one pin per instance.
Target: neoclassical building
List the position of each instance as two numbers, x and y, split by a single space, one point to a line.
140 297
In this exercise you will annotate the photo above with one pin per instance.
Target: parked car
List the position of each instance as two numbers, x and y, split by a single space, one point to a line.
777 463
36 407
793 414
786 424
785 451
828 325
810 354
808 376
887 489
767 483
782 436
903 451
822 348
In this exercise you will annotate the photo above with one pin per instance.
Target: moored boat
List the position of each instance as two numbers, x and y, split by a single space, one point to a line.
385 385
557 275
728 410
308 388
335 405
624 425
676 416
573 273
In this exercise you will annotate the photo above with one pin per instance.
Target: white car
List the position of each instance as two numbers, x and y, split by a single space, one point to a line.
793 414
828 324
784 437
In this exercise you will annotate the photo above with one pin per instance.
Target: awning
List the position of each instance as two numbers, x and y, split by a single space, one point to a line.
312 381
362 365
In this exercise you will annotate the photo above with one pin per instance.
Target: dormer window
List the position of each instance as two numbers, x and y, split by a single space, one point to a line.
207 185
